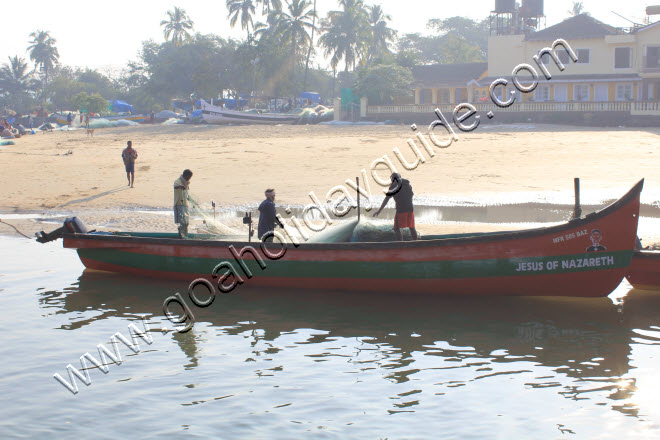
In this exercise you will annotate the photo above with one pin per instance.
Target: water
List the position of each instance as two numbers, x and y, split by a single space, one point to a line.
281 364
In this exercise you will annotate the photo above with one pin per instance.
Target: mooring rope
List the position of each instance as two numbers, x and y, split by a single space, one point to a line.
29 238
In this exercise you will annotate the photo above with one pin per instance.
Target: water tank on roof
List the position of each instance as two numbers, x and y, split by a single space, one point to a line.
505 6
531 8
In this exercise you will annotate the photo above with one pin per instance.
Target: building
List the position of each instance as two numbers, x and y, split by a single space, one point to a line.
612 65
615 80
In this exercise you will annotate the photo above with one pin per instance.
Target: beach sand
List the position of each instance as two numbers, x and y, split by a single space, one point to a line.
233 165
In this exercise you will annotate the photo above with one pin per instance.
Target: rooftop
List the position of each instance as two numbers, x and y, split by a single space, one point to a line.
448 74
578 27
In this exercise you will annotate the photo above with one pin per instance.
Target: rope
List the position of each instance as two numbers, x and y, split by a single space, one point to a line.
29 238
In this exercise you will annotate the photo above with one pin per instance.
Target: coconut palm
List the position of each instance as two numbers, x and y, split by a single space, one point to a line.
270 6
16 82
43 52
177 26
381 35
309 50
243 9
346 33
292 26
577 9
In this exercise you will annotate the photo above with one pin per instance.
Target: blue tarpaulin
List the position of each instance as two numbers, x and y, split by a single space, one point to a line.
121 107
311 96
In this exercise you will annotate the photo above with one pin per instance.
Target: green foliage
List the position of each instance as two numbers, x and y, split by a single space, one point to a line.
473 32
177 26
93 103
17 85
382 84
445 49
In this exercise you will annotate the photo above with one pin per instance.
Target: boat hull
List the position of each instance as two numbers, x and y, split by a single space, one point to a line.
644 270
584 257
218 115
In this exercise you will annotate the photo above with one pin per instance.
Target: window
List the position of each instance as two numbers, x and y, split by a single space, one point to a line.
622 57
584 56
443 96
542 93
624 92
562 55
652 57
581 92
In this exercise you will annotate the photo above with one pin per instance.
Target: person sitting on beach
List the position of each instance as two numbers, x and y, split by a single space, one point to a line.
21 130
181 197
267 217
401 191
6 133
129 155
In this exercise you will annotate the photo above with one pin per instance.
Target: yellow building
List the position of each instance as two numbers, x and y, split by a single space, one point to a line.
612 65
449 83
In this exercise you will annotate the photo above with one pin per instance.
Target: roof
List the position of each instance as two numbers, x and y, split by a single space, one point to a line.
577 27
566 78
448 74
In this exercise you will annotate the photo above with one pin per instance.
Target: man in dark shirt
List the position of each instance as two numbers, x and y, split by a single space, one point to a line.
402 193
267 217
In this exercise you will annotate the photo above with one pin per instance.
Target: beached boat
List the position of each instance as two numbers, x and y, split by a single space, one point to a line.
644 270
586 256
218 115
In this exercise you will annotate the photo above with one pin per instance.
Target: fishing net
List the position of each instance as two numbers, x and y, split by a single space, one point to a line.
354 232
125 123
340 233
211 228
375 232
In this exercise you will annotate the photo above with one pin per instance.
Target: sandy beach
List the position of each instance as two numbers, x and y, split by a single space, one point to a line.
66 172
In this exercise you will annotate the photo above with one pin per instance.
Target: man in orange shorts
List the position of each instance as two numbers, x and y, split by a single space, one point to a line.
402 193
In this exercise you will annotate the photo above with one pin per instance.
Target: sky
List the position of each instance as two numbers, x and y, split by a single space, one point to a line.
106 35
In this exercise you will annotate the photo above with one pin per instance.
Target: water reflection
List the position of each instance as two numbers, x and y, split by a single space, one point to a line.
582 347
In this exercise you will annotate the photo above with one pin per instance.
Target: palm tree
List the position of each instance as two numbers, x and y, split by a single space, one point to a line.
381 35
346 33
309 50
270 6
16 81
292 27
177 26
243 9
577 9
43 52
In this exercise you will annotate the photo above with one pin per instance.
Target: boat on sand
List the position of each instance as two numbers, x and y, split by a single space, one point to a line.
217 115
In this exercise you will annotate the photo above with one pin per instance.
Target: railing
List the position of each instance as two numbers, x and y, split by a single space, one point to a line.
645 108
652 108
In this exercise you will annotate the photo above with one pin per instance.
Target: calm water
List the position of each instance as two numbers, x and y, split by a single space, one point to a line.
264 364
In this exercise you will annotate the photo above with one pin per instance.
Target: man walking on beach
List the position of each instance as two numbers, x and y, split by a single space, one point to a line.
181 197
267 217
129 155
401 191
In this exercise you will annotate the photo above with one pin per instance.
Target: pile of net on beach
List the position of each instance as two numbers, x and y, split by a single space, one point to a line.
315 115
353 232
104 123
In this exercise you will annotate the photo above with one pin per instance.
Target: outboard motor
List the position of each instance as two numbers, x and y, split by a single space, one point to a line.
72 225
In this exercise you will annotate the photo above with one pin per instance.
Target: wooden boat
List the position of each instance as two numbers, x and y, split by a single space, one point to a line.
587 256
644 270
218 115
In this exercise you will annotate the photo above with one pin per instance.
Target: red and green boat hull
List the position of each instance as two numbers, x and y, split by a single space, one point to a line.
584 257
644 270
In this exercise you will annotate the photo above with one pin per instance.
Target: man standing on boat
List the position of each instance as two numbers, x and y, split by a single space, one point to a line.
181 216
267 217
129 155
401 191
